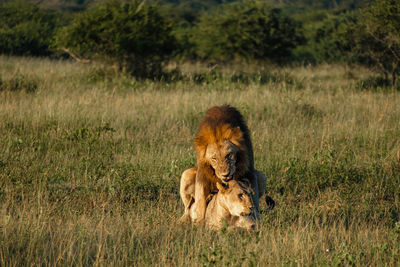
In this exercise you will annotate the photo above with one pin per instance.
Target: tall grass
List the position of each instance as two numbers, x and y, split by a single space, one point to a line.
90 165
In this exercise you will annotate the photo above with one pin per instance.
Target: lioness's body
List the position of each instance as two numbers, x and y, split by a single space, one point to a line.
221 206
224 152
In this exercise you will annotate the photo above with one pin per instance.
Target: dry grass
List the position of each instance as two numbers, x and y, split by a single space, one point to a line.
90 165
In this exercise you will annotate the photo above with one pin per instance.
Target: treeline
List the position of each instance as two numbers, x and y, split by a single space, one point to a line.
139 37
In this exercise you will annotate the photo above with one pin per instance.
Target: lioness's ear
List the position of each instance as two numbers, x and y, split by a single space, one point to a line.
222 187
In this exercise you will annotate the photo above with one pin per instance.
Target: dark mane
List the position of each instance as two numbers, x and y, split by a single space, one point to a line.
225 123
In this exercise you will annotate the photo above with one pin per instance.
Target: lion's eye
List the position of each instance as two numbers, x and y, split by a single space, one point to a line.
230 156
214 159
240 196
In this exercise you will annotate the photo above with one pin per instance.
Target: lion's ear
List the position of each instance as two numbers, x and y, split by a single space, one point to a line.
237 136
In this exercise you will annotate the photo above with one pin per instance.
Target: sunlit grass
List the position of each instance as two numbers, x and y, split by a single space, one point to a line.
90 164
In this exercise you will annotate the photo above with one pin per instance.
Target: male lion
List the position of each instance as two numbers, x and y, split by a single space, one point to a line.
232 204
224 152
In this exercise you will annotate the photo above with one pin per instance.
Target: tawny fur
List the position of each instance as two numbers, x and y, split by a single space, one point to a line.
224 152
232 205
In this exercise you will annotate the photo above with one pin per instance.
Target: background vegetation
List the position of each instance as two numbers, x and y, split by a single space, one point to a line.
246 30
91 154
132 37
26 29
141 37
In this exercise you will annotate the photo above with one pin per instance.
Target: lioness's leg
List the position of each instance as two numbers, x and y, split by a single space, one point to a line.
202 191
187 186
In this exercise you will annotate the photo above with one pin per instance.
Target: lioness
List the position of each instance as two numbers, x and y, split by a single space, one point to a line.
187 190
232 204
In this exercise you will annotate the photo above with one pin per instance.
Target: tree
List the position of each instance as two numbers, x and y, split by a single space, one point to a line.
246 30
26 29
377 37
330 42
133 37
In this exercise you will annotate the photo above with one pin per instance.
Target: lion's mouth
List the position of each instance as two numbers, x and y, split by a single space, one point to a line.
227 178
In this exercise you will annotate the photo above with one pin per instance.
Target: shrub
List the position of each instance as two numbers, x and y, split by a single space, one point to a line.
376 36
26 29
330 42
246 30
132 37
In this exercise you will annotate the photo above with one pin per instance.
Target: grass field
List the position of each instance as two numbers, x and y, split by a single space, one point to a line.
90 165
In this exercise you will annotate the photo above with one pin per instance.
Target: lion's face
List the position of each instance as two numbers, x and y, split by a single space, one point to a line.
222 158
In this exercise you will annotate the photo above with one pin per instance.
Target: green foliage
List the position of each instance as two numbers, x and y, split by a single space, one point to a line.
377 37
26 29
119 32
133 37
246 30
330 42
327 37
319 4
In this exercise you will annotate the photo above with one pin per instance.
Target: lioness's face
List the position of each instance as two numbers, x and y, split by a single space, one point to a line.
238 200
222 158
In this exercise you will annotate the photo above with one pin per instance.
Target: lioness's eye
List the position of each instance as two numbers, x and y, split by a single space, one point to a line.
240 196
214 159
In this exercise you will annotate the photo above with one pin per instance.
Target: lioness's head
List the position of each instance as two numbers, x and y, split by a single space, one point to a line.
237 197
222 158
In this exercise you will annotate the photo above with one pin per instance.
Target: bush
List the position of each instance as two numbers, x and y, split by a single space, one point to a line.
376 36
26 29
330 42
246 30
132 37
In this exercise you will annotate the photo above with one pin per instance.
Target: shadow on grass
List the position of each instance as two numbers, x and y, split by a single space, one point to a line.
19 83
200 77
377 84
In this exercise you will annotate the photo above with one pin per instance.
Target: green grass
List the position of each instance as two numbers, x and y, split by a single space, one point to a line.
90 165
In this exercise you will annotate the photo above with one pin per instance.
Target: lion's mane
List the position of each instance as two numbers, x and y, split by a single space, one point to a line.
224 123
